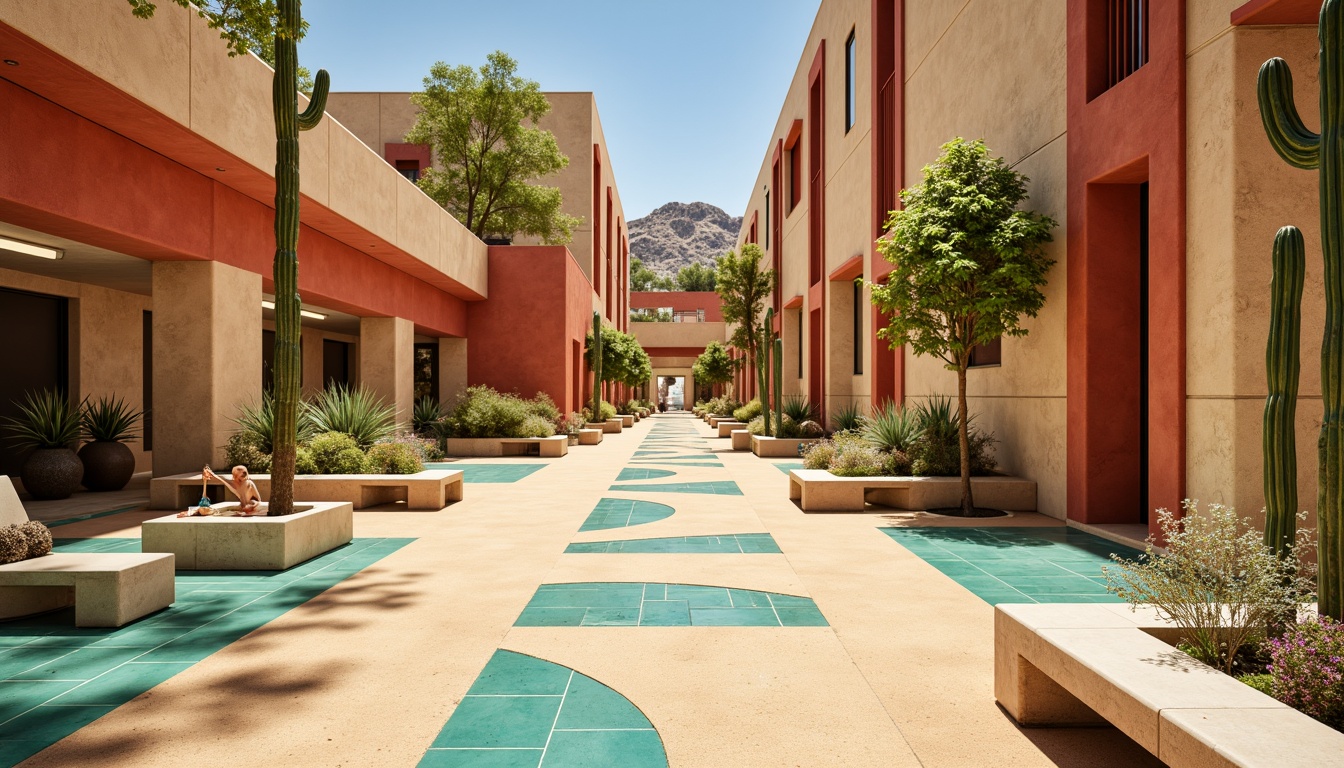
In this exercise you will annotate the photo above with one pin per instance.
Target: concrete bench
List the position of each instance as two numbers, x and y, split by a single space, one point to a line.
432 489
726 427
779 447
251 543
107 589
1061 665
741 439
590 436
817 490
548 447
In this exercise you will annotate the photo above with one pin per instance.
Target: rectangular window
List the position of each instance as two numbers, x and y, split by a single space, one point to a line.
335 363
1120 31
851 69
767 220
989 354
858 326
409 168
147 379
795 177
800 343
427 371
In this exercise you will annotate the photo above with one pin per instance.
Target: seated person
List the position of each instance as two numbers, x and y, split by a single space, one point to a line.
249 498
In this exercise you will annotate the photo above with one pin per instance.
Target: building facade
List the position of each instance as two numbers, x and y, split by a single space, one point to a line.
1142 380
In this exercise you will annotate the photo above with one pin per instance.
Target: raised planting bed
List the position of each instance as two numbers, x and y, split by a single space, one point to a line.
817 490
741 439
727 426
258 543
714 421
779 447
431 489
546 447
627 420
590 436
1067 665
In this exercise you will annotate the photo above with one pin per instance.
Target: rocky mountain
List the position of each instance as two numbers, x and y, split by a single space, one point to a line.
678 234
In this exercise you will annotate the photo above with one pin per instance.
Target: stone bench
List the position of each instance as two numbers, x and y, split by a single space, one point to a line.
741 439
251 543
726 427
779 447
546 447
108 589
590 436
1063 665
817 490
432 489
627 420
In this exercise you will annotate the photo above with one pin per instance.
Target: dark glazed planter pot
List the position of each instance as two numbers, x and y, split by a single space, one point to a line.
108 465
51 473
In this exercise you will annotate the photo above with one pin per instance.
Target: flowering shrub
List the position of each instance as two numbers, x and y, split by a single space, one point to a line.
571 424
393 458
424 449
483 412
1307 665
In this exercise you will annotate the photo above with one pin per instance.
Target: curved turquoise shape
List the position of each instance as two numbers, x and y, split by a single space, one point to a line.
640 473
526 709
657 604
623 513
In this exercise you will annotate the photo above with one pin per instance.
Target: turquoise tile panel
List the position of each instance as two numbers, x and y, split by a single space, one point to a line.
489 473
623 513
741 543
717 487
786 466
630 604
642 473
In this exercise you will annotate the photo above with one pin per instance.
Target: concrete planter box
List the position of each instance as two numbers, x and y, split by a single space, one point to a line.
779 447
727 426
817 490
627 420
741 440
590 436
547 447
1061 665
431 489
614 426
250 543
715 419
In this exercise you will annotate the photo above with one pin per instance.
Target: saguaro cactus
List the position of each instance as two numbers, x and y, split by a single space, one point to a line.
1301 148
763 368
1282 366
597 366
288 359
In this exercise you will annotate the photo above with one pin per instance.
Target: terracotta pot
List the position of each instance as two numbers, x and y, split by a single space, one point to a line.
51 473
108 465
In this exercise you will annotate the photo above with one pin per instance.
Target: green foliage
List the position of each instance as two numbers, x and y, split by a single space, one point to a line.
537 426
257 422
797 407
542 405
848 418
304 464
936 452
47 419
484 412
1259 681
357 412
332 453
1217 580
425 414
481 125
714 365
847 454
743 288
749 411
393 459
644 279
722 406
893 428
243 449
623 360
786 428
1307 670
650 315
696 277
109 420
1282 367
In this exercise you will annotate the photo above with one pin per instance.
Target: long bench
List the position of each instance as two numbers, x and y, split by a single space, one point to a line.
726 427
817 490
1066 665
545 447
108 589
432 489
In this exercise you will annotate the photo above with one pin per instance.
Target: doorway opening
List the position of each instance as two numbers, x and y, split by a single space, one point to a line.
672 393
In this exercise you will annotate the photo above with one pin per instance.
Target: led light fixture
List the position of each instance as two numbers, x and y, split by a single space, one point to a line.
266 304
30 249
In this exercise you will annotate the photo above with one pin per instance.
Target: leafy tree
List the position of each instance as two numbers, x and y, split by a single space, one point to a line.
644 279
481 126
242 23
968 265
651 315
714 365
743 288
696 277
624 361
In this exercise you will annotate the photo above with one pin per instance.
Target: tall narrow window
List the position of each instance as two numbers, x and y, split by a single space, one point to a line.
597 220
800 343
858 326
147 379
795 177
851 95
1120 29
767 221
426 375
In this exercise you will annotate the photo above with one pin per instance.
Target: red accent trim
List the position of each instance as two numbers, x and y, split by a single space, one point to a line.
674 351
1269 12
849 270
887 379
597 220
418 152
680 301
753 232
777 222
607 256
795 303
795 133
1130 133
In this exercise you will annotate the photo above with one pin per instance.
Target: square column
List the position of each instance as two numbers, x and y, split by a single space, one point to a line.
387 361
452 370
312 362
207 359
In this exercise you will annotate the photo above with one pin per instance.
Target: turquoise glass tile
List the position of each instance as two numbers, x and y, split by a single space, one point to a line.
1018 565
716 488
641 473
524 711
787 466
630 604
623 513
489 473
56 678
741 543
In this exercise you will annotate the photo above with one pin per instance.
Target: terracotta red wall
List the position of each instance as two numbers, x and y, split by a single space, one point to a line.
113 193
681 301
887 381
521 338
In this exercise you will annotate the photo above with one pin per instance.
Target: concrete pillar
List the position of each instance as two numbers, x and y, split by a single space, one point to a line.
312 362
452 370
387 361
207 359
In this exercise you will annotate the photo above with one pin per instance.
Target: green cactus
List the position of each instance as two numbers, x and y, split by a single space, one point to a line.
288 358
597 366
1282 365
763 368
779 386
1301 148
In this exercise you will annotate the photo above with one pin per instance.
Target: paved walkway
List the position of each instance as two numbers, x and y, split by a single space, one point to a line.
737 629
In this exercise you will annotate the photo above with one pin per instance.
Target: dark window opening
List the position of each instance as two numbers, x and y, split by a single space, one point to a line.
767 220
815 210
983 355
800 343
1117 42
43 349
147 380
427 371
1143 352
335 363
409 168
795 177
858 326
851 97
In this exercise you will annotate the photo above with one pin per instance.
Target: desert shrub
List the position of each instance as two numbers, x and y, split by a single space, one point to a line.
858 460
394 458
848 418
797 407
892 428
304 463
608 411
425 415
749 411
355 412
39 538
331 452
895 463
242 449
805 429
257 424
483 412
1217 581
535 426
13 544
1307 668
819 455
571 424
939 456
425 449
542 405
722 406
1260 681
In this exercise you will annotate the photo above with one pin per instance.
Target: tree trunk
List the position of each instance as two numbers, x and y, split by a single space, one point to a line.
964 443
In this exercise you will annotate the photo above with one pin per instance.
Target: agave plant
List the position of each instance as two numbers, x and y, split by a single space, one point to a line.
848 418
257 424
797 407
937 418
427 411
108 420
893 428
356 412
47 420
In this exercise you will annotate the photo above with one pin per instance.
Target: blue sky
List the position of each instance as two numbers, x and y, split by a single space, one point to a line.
688 90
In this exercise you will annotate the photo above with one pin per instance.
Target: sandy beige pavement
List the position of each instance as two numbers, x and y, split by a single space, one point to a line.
367 673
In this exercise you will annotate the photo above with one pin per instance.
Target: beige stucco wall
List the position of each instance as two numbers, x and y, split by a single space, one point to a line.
697 335
181 70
